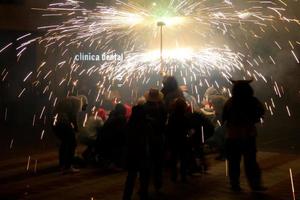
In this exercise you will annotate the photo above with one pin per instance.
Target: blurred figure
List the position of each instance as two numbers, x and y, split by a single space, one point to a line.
241 112
101 112
213 103
216 100
200 129
190 99
156 116
88 135
128 111
177 136
138 155
65 125
171 91
110 141
141 101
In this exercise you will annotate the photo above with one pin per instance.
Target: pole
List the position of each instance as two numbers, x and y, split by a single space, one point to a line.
161 49
161 24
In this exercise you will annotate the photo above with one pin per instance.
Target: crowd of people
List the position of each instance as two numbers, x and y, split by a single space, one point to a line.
165 129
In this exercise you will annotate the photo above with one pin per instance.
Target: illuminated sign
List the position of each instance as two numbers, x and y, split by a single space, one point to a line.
88 56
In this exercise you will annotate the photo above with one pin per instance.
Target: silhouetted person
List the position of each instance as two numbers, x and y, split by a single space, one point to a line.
156 115
177 136
241 112
111 139
199 126
171 91
65 126
217 100
138 155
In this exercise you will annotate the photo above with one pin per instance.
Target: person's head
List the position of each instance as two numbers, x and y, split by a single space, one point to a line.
83 102
170 83
153 95
184 88
242 88
211 91
138 113
120 109
141 100
179 106
102 114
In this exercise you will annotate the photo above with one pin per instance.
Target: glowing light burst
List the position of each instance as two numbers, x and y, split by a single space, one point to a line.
199 62
200 38
135 26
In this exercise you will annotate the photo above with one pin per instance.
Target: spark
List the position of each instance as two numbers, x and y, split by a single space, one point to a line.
55 120
272 102
47 74
42 112
281 1
27 76
288 111
47 27
20 53
6 47
266 104
33 120
21 92
24 36
42 135
5 114
261 120
35 166
54 103
28 163
291 44
50 95
4 76
11 143
271 58
277 45
277 89
292 183
295 56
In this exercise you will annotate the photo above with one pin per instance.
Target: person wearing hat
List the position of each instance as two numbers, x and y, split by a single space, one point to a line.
156 116
65 126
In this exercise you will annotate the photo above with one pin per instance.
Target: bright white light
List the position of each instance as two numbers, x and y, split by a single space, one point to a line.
244 15
172 21
197 61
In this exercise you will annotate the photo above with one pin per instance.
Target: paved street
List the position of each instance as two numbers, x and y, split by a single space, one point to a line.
40 178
